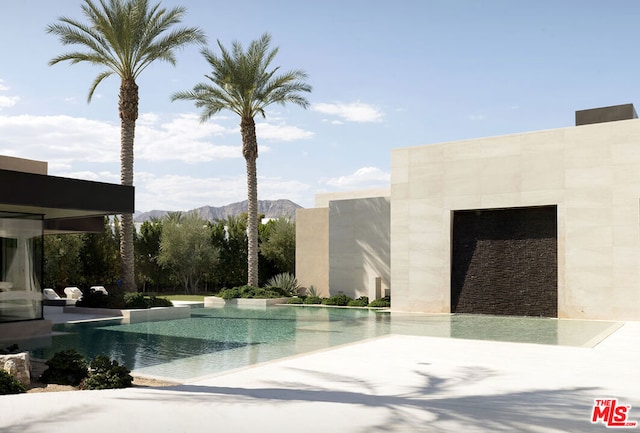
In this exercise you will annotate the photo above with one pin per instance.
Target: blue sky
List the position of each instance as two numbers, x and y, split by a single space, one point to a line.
384 74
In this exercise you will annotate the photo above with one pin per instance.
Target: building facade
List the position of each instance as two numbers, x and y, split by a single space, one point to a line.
544 223
33 204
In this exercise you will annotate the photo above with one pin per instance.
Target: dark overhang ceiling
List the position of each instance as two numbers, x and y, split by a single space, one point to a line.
59 197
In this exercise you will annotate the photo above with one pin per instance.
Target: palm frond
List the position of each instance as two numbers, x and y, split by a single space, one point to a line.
97 82
242 81
126 36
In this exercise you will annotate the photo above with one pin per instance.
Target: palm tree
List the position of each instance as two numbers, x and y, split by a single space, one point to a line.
124 36
241 82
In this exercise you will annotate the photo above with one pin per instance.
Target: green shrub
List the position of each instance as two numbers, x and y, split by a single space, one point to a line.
362 301
65 368
285 281
295 300
159 302
9 350
107 374
340 300
138 301
312 291
313 300
251 292
227 294
9 384
381 303
134 301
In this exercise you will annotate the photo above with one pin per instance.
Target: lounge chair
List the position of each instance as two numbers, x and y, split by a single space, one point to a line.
51 298
50 294
99 289
73 293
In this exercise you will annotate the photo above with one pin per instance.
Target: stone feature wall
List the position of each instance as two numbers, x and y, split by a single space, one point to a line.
17 365
505 262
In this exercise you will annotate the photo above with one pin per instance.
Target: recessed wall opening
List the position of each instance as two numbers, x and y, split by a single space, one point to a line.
505 261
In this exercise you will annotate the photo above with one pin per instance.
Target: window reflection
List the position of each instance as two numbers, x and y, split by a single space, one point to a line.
20 267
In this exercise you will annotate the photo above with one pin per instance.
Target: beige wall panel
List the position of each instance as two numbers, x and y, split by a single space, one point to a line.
499 200
543 171
589 198
425 184
461 178
500 147
453 151
544 142
592 173
23 165
399 164
501 175
312 248
359 246
588 177
323 199
542 197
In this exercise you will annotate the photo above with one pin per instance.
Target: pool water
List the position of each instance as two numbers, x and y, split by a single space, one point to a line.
214 340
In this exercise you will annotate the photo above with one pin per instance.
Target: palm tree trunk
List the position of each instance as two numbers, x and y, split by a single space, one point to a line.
128 107
250 153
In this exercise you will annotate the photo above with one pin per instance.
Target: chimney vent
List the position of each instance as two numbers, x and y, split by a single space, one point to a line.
606 114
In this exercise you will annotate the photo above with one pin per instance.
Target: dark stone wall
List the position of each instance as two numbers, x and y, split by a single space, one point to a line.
505 262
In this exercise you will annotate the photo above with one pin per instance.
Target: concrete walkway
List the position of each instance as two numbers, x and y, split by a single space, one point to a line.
390 384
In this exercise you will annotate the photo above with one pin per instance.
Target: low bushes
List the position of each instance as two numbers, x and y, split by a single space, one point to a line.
130 301
252 292
107 374
362 301
295 300
313 300
9 384
340 300
286 282
381 303
65 368
70 368
10 349
136 301
286 285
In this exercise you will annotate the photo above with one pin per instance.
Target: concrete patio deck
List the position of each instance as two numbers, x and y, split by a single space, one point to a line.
390 384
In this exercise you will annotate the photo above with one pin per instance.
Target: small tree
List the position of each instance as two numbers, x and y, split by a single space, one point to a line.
280 244
230 237
186 250
147 248
100 257
62 265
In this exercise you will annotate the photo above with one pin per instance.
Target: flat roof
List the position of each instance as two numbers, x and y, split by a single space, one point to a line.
62 198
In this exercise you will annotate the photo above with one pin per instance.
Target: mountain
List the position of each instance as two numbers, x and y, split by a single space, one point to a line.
270 209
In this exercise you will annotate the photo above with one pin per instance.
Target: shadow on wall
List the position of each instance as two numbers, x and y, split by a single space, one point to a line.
359 245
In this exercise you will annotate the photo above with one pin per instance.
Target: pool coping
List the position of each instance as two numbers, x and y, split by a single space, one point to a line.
214 301
136 315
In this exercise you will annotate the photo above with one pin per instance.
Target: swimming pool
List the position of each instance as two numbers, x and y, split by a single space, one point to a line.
214 340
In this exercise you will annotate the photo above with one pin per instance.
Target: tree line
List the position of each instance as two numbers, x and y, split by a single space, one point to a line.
178 253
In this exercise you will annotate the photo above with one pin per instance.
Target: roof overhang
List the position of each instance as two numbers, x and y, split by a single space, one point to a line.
61 200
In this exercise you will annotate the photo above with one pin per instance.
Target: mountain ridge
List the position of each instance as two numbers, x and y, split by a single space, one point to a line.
270 208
